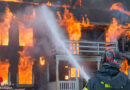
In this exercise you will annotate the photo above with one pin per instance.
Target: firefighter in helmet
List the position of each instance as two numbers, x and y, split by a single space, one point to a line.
109 76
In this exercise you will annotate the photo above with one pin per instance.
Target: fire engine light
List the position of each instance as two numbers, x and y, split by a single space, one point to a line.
42 61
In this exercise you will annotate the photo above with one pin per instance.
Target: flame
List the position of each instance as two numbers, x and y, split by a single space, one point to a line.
12 0
4 27
119 6
71 24
4 70
49 3
25 35
25 69
73 27
25 32
66 77
114 31
73 72
54 5
25 39
42 61
75 47
124 67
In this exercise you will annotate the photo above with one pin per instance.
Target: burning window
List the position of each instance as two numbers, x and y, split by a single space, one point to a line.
25 74
25 35
26 31
73 72
74 47
5 26
42 61
4 70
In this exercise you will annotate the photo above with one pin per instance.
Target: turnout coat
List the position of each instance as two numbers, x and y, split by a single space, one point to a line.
108 78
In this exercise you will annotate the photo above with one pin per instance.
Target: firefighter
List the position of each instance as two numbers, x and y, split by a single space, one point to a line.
109 76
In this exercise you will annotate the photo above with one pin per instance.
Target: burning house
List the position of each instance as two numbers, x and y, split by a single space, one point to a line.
29 57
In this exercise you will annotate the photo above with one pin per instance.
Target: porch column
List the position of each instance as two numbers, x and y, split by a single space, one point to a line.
57 74
77 80
98 65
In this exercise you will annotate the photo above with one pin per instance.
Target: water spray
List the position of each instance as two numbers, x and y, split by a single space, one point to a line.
54 28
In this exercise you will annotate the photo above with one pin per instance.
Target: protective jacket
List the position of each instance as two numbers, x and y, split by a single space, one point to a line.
108 78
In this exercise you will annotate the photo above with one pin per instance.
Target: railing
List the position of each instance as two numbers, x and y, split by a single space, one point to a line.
82 47
68 85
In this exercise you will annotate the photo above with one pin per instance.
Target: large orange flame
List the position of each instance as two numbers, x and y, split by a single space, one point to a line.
5 26
25 32
25 66
4 71
25 35
119 6
71 24
114 31
25 74
73 27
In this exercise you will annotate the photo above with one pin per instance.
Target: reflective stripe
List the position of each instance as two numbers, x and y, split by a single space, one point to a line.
85 88
106 85
102 82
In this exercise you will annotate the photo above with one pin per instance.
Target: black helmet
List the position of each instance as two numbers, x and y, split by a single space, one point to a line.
112 58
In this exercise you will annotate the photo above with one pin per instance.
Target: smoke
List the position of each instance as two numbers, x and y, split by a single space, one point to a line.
119 11
54 29
46 34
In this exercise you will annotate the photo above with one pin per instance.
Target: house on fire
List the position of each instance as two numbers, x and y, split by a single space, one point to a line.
30 57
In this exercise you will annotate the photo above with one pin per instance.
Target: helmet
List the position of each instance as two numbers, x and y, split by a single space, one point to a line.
112 58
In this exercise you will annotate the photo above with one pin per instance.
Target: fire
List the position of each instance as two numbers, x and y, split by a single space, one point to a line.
42 61
25 35
73 27
71 24
119 6
4 70
4 27
114 31
124 67
12 0
73 72
25 32
74 46
49 3
25 66
25 69
66 77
